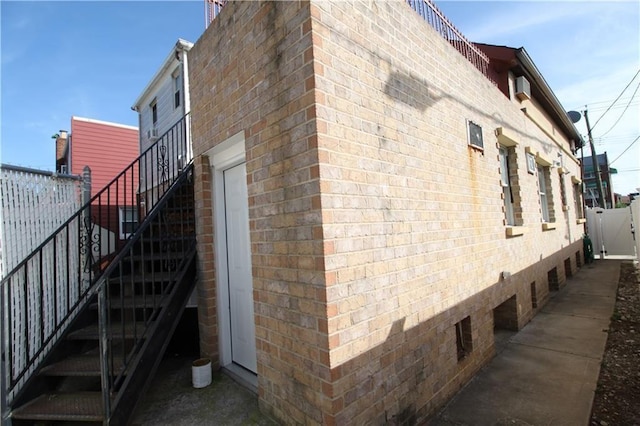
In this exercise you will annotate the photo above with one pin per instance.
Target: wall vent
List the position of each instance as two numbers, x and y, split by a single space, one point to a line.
475 135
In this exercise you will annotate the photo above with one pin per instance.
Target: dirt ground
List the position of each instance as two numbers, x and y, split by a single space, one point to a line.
617 398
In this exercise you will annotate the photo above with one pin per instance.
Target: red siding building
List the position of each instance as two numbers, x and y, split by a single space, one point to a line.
107 148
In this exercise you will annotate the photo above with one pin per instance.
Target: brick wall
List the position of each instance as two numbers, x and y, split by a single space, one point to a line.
415 216
375 229
252 71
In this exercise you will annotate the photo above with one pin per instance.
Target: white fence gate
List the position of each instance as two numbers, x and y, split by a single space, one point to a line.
34 204
612 232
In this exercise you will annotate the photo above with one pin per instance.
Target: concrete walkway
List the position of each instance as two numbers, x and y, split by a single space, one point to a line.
547 373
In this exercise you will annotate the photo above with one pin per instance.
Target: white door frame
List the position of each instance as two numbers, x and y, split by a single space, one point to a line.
223 156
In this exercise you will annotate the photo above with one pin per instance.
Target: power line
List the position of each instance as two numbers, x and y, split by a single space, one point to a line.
616 100
615 139
626 149
625 110
608 101
591 108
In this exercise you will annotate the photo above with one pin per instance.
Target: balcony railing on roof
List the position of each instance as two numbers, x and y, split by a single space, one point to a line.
449 32
430 13
213 9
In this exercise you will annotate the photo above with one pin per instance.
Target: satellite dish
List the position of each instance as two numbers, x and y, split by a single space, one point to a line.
574 116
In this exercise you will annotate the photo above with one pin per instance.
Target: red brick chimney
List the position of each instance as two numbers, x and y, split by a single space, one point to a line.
61 149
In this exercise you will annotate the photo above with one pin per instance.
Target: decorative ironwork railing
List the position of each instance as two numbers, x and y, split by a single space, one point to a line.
430 13
44 292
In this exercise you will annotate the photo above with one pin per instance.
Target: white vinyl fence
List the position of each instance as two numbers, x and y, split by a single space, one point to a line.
36 298
635 220
34 204
612 232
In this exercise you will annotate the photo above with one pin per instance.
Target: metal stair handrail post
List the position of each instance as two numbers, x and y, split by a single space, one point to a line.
44 292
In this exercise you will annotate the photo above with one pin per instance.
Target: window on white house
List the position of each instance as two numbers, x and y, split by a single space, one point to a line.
542 190
154 112
128 221
177 88
507 190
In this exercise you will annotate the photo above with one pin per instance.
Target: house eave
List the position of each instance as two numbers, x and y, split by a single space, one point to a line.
550 98
180 46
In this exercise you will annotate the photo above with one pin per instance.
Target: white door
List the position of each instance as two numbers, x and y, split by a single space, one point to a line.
243 334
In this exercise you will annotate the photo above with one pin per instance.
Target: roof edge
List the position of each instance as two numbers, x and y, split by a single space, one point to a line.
524 58
181 45
106 123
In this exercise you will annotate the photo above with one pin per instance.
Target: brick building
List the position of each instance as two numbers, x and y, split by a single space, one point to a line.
371 206
107 149
591 197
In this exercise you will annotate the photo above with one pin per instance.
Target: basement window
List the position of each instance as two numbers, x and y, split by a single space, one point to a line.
464 344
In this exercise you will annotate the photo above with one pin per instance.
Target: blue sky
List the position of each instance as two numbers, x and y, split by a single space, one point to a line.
92 59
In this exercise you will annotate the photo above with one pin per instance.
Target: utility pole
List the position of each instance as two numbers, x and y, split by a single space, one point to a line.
596 165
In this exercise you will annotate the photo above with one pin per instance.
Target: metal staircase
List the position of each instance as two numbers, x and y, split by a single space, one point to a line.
86 320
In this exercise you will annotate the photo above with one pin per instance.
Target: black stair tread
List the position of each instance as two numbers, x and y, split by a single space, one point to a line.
157 255
184 209
78 365
147 277
72 406
161 238
91 332
138 301
176 218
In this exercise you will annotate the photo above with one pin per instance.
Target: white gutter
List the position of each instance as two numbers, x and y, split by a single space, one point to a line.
539 80
181 46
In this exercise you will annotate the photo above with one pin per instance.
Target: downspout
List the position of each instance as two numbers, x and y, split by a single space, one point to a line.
187 98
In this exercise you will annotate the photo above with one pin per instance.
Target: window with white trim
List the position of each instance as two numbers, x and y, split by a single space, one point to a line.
545 195
177 88
507 192
577 197
128 219
563 192
154 112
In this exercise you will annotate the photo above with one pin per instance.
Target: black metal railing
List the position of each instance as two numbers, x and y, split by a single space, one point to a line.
214 7
430 13
42 295
138 286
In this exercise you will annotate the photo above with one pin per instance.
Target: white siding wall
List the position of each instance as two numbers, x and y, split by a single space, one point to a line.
167 114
